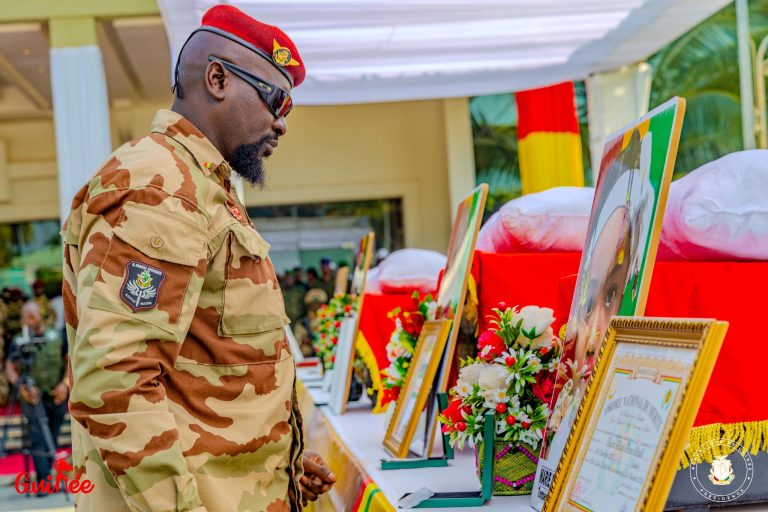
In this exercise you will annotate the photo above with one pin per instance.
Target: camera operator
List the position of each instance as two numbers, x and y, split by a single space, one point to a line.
39 353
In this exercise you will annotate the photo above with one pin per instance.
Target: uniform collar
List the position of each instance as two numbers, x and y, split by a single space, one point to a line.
181 130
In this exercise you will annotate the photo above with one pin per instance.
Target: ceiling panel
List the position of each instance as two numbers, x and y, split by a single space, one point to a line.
146 46
23 52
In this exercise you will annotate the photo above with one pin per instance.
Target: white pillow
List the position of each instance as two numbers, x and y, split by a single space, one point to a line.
719 211
407 270
552 220
372 284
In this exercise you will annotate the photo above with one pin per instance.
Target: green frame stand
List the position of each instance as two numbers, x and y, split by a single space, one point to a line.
422 462
471 498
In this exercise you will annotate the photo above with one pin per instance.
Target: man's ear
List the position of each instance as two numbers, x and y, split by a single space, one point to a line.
216 80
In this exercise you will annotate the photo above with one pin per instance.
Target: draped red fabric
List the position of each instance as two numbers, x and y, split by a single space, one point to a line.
731 291
376 325
548 109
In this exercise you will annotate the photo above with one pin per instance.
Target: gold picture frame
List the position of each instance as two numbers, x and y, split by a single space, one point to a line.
639 406
357 290
453 287
452 293
417 387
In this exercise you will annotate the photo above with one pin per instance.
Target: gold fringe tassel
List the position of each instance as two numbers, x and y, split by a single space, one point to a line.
710 441
366 354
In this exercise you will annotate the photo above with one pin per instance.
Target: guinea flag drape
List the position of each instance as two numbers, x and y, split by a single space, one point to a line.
549 146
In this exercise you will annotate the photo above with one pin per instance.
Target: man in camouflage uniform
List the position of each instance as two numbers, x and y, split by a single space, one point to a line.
183 386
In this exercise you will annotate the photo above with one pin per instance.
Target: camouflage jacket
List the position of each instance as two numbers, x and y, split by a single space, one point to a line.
183 385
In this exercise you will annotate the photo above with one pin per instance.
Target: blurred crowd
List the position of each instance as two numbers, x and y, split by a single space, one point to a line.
304 292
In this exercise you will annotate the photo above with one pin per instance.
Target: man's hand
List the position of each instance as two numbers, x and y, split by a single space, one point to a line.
60 393
29 394
317 479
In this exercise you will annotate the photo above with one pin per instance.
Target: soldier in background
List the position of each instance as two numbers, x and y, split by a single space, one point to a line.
183 394
14 300
293 294
306 327
327 277
5 387
43 302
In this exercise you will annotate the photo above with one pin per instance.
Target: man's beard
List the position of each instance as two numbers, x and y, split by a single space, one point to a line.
248 163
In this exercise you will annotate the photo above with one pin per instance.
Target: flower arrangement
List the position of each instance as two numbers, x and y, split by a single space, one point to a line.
513 377
402 343
329 322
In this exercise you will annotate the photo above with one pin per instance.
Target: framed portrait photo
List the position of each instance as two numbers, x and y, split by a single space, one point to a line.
350 326
418 387
453 287
638 409
362 265
617 261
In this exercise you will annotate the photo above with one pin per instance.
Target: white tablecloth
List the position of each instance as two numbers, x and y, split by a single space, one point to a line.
363 434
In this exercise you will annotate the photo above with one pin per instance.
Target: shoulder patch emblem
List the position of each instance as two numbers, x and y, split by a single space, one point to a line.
141 285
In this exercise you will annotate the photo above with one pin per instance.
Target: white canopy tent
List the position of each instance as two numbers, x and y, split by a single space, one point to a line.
360 51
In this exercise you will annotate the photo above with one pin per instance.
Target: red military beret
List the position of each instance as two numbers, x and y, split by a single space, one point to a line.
268 41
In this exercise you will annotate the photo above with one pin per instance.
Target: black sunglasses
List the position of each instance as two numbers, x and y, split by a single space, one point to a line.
277 100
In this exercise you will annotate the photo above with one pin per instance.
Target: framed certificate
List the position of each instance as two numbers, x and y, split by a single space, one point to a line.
639 406
418 386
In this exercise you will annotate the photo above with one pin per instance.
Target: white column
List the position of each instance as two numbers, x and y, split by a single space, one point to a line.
460 152
614 99
745 74
81 116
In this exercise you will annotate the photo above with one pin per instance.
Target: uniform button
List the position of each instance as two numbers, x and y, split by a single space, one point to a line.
156 242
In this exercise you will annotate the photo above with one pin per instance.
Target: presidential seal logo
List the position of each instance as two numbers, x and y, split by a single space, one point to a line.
728 476
141 285
722 471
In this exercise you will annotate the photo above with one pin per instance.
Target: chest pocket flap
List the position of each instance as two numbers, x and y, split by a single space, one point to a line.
253 302
251 241
162 235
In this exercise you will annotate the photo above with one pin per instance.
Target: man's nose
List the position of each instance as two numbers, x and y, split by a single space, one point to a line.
280 126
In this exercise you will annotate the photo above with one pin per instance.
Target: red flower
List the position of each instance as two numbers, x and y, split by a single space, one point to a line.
455 409
461 426
490 345
390 395
347 308
337 324
545 386
413 321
